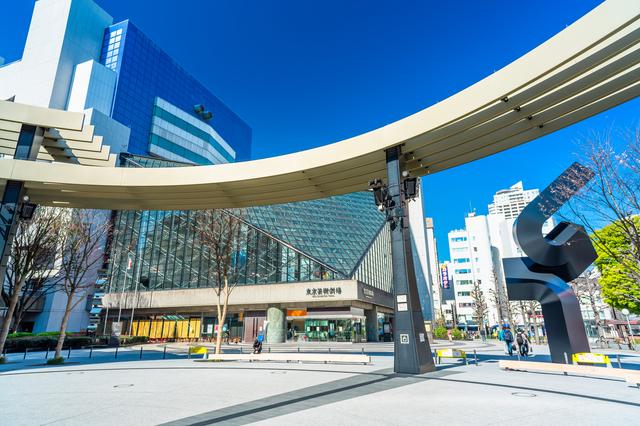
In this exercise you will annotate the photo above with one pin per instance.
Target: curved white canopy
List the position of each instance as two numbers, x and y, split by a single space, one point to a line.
587 68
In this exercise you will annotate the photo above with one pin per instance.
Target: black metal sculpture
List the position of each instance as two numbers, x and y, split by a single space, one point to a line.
553 260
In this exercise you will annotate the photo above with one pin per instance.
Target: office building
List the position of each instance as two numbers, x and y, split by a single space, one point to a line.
137 97
476 254
472 263
322 268
508 203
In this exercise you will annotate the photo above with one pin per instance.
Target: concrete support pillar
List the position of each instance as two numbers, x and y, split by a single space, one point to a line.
276 325
371 317
412 353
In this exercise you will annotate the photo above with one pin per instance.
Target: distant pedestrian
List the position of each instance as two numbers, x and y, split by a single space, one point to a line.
450 335
483 334
523 343
257 346
507 335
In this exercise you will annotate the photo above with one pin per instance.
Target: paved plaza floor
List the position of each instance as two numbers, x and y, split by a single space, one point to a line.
183 391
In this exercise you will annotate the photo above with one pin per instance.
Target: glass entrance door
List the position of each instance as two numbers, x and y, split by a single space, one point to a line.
333 330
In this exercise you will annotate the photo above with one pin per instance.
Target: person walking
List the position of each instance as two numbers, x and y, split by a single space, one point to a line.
523 343
483 334
507 335
450 335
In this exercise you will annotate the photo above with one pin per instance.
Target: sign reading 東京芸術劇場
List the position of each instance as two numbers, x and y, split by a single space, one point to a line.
324 291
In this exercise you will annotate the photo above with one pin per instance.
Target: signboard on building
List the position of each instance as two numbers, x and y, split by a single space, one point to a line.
324 291
444 275
368 293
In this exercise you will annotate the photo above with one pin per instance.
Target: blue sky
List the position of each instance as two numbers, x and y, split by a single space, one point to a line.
304 74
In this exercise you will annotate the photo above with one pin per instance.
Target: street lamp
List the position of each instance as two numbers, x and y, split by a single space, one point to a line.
26 209
385 203
625 312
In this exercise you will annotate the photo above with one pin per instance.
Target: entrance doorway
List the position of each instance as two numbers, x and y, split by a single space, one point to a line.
326 330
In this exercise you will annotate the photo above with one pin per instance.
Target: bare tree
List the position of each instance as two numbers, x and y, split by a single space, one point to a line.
609 205
505 307
480 307
524 313
33 291
587 290
81 252
31 260
221 234
533 306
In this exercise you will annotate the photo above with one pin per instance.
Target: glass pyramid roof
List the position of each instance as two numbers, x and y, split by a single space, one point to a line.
336 230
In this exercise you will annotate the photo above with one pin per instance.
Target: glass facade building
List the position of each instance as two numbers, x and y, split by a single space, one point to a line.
178 136
323 249
281 243
145 72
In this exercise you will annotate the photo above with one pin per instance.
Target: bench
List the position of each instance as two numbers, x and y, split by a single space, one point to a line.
630 376
451 353
292 357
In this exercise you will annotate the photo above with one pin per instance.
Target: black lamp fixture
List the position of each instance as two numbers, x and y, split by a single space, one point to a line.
410 186
26 209
377 187
381 196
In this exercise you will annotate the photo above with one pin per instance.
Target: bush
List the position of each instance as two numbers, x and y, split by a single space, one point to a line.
440 332
457 334
52 333
18 334
43 334
19 344
55 361
132 340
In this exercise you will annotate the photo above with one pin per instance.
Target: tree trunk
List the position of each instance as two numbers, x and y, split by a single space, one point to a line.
525 317
18 315
218 349
508 307
13 301
63 325
535 328
596 317
222 314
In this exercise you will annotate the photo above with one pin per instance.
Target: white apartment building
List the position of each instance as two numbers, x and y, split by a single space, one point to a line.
508 203
477 251
472 262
